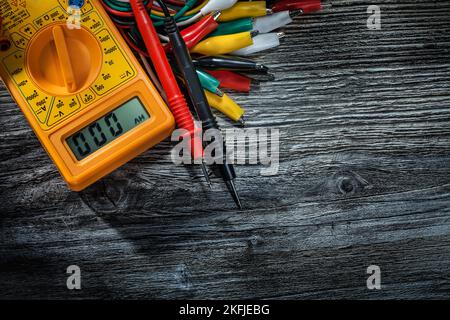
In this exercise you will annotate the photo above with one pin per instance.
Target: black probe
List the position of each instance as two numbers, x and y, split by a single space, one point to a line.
228 63
199 101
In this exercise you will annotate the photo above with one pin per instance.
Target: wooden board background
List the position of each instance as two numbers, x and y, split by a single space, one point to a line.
364 179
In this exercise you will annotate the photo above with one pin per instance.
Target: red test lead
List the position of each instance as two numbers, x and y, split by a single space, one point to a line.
199 100
176 101
306 6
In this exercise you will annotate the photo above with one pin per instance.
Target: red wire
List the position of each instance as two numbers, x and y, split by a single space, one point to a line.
116 12
122 26
175 3
176 101
132 44
196 32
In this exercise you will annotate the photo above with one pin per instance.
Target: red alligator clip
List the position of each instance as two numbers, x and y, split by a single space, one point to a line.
196 32
232 80
306 6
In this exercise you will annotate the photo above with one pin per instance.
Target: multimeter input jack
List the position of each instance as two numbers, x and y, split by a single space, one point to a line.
5 44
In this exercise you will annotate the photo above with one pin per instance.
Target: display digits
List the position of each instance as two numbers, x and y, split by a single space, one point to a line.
106 129
96 133
95 130
82 150
114 131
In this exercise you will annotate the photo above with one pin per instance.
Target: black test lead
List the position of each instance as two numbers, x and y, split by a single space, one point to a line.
230 63
197 95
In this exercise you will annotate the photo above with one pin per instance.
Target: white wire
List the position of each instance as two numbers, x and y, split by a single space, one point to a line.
163 38
192 19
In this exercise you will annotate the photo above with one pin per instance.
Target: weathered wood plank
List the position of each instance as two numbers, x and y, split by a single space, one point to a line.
364 179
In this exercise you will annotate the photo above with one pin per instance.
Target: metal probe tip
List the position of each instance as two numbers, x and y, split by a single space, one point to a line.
205 173
216 15
261 67
219 92
241 120
281 35
254 33
233 192
295 13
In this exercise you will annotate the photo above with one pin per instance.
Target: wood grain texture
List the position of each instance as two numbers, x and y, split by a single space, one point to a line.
364 179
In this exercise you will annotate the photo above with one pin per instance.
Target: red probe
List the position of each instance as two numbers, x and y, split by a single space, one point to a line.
176 101
232 80
196 32
306 6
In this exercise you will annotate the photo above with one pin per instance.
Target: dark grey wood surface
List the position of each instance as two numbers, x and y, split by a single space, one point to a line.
364 179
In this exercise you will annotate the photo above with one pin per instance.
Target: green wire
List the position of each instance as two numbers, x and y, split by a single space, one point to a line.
235 26
188 6
160 20
207 81
126 7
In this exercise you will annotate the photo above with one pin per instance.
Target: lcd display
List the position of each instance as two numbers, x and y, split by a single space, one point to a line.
108 128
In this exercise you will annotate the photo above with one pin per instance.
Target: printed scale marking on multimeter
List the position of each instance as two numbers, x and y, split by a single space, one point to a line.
49 110
82 90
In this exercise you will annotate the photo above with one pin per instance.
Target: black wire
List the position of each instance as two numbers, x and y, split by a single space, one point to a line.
123 21
164 8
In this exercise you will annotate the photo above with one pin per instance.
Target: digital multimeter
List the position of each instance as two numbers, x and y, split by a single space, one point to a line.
85 95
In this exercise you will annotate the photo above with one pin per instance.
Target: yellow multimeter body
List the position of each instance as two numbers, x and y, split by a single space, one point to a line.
81 89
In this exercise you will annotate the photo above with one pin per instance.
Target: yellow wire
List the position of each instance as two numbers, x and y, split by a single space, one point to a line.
157 13
197 9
